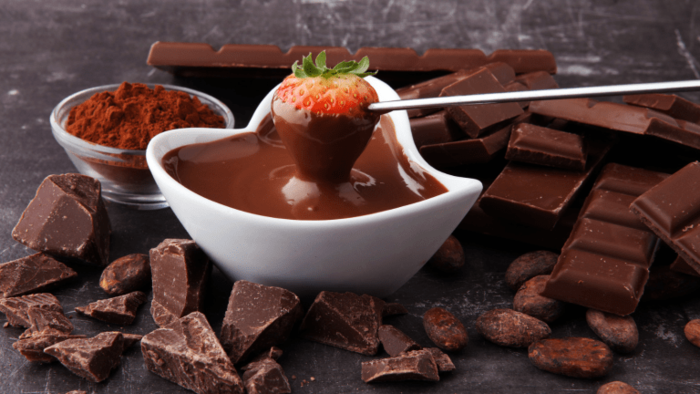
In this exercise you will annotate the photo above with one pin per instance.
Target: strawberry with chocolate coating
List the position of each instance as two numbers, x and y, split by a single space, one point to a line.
321 115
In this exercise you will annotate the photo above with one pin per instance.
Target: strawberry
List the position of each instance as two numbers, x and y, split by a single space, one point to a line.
321 115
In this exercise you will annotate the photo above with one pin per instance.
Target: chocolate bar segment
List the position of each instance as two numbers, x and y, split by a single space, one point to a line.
669 104
680 265
188 353
180 271
605 263
119 310
345 320
672 210
429 88
414 365
67 218
537 80
90 358
475 119
540 145
258 317
31 274
435 129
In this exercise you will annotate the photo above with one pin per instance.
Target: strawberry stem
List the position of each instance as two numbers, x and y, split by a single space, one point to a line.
309 70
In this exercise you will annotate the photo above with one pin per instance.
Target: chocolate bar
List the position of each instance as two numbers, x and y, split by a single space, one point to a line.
67 218
537 80
605 263
31 274
90 358
671 210
188 353
179 270
516 86
680 265
345 320
476 120
119 310
126 274
538 196
669 104
435 129
193 59
414 365
395 341
548 147
621 117
257 317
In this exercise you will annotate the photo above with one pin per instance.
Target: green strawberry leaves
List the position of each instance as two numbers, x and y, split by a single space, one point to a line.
309 70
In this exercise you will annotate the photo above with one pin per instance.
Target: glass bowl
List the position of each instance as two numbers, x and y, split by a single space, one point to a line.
124 174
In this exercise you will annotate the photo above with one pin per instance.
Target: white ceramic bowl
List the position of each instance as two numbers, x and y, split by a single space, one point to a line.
373 254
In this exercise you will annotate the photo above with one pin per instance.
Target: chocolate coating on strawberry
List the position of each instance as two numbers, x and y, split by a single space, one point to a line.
321 115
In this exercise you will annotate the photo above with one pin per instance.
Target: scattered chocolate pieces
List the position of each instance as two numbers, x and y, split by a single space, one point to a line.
692 332
90 358
345 320
126 274
67 218
575 357
265 376
617 388
618 332
162 316
529 301
180 271
395 341
188 353
450 257
119 310
257 317
506 327
528 266
445 330
17 308
31 274
548 147
442 360
32 348
46 320
414 365
669 104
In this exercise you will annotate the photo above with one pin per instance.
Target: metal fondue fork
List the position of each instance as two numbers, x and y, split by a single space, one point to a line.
533 95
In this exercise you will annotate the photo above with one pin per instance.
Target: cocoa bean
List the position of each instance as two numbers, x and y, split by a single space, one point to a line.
618 332
450 257
617 388
575 357
445 330
692 332
529 301
528 266
506 327
126 274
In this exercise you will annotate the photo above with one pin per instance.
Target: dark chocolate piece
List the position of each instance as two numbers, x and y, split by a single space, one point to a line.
17 308
538 196
188 353
265 377
190 58
618 332
32 348
503 72
161 316
46 320
537 80
435 129
669 104
680 265
427 89
31 274
395 341
130 339
475 120
442 360
257 317
393 308
605 263
516 86
126 274
119 310
506 327
90 358
540 145
672 210
528 266
180 271
345 320
273 353
621 117
575 357
414 365
67 218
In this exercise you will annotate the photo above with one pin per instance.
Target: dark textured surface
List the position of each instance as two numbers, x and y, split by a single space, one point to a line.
51 49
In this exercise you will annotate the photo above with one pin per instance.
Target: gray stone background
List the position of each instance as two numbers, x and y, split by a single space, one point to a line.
51 49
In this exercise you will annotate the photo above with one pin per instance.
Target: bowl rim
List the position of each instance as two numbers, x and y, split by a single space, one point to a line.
457 187
63 136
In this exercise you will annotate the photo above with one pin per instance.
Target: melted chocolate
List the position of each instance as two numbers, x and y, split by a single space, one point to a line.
254 172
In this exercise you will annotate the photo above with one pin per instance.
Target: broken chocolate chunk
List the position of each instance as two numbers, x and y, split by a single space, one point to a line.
257 317
31 274
414 365
126 274
265 377
345 320
272 353
44 320
90 358
395 341
67 218
117 310
179 270
161 316
188 353
442 360
130 339
17 308
32 348
393 308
